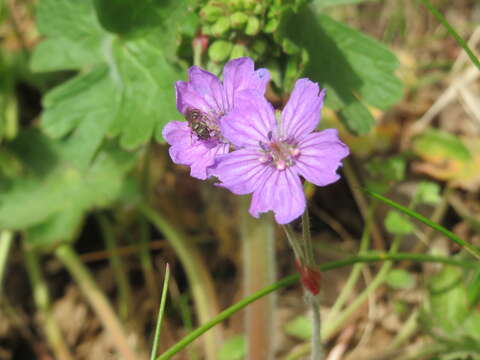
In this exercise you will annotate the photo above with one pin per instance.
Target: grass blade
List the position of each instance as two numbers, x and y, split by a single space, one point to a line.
287 281
469 247
452 32
161 311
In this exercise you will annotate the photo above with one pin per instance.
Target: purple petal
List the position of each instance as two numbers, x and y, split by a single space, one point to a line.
239 74
203 91
281 192
320 157
250 122
186 149
188 98
302 114
241 171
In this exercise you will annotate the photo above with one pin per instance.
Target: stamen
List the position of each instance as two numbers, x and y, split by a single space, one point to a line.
280 152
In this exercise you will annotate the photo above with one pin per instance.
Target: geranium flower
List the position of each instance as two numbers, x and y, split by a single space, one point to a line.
204 100
273 153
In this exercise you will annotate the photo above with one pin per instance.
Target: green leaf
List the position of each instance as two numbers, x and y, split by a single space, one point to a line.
233 348
400 279
448 302
300 327
354 68
440 144
428 193
52 196
126 84
73 36
397 224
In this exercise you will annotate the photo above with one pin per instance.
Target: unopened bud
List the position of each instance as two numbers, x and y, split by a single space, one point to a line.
289 47
211 12
238 20
238 50
221 26
271 25
220 50
310 278
253 26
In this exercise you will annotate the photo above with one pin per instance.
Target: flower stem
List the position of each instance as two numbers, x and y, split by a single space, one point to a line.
41 297
259 270
199 279
96 298
6 241
292 279
317 347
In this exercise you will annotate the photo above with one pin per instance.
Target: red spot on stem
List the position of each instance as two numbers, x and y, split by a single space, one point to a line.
309 277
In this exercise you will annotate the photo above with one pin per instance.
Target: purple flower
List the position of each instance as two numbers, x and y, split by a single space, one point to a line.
204 100
274 152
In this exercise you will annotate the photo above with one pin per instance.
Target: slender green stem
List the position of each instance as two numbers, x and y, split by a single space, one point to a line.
96 298
307 239
161 311
469 247
259 270
293 241
124 291
199 278
226 314
353 277
197 53
452 32
41 297
6 241
292 279
333 326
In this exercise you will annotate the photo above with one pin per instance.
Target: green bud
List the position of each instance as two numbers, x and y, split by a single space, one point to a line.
271 25
238 20
221 26
211 13
220 50
253 26
249 4
258 9
289 47
207 30
238 50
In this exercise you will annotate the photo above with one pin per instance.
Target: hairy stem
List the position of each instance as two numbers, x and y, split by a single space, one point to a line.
317 346
292 279
259 270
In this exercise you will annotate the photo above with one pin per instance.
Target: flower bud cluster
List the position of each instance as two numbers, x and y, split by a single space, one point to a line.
237 28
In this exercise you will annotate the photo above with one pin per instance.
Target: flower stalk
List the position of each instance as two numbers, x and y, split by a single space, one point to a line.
259 271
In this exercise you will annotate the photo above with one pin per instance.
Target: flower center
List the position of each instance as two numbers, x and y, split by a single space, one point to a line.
281 152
